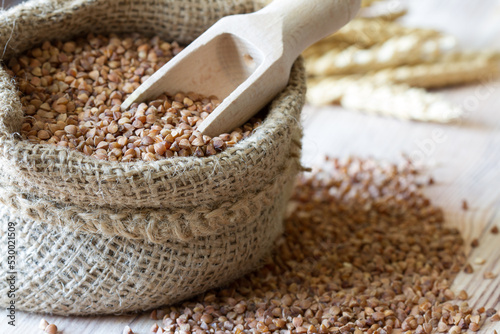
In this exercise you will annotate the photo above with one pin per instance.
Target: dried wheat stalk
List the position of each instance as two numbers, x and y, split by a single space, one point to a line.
397 51
370 31
396 100
368 3
450 70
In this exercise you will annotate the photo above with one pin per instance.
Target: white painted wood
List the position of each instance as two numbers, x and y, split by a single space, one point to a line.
465 165
245 60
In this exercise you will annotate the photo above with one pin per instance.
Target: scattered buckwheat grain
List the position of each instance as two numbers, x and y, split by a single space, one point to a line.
51 329
462 295
127 330
363 252
490 312
489 275
43 324
474 243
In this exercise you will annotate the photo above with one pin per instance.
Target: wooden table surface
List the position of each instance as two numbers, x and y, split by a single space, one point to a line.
464 159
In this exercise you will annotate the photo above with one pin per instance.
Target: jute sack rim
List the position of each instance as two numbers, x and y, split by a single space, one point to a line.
46 162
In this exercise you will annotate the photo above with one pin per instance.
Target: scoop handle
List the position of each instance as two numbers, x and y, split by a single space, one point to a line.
307 21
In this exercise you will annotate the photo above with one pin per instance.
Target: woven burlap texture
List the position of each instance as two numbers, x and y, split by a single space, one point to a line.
98 237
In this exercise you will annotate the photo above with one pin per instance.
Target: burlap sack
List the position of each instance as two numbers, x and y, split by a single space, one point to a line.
96 237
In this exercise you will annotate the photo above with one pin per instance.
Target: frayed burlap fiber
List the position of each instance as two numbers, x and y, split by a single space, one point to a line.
97 237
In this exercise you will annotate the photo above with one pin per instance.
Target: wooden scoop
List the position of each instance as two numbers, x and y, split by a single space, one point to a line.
245 60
